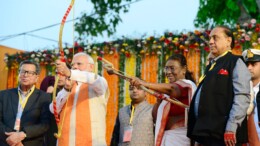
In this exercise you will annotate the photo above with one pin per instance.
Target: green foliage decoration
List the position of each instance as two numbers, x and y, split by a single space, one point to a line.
104 18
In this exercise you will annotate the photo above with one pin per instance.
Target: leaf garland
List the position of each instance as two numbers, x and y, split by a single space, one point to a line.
121 81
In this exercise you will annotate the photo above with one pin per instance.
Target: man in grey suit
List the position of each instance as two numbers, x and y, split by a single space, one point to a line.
24 112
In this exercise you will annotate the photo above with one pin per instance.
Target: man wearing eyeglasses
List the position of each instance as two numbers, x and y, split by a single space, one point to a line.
82 108
24 112
134 124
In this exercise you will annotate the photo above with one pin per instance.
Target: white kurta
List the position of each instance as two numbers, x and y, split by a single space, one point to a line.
256 90
98 96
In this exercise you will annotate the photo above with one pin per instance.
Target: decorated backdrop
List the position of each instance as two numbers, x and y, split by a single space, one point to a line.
143 57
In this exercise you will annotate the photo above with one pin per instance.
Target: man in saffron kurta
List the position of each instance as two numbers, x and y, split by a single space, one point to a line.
83 110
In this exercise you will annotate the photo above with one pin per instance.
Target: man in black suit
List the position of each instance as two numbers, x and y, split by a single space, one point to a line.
217 114
24 112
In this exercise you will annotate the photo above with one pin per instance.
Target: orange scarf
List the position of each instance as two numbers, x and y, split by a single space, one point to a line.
83 121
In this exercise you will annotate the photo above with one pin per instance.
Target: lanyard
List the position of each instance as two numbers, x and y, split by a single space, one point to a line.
212 66
132 115
23 102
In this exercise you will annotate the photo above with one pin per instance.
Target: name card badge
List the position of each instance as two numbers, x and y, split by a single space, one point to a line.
17 124
127 133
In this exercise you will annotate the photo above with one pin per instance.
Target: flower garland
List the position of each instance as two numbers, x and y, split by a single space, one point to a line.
246 36
112 104
194 45
130 67
138 66
203 59
160 72
149 72
121 82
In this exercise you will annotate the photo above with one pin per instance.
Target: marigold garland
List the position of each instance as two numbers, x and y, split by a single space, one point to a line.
149 72
193 62
130 67
112 105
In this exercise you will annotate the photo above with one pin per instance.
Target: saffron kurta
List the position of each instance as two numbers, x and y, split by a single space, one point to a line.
83 111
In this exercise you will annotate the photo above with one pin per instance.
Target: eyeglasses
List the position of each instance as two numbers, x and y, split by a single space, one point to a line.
169 68
29 73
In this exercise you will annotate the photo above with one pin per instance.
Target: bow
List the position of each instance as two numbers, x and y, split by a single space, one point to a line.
56 115
111 71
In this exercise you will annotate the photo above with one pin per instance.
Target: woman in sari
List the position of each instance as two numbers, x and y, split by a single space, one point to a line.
170 128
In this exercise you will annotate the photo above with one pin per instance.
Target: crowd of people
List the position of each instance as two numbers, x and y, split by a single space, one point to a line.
218 113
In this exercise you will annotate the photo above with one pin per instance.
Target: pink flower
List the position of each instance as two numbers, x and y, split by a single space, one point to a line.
245 24
247 38
253 21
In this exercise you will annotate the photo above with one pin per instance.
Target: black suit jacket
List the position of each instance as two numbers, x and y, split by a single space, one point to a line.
35 118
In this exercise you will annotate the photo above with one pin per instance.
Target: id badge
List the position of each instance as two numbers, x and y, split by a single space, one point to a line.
127 133
17 124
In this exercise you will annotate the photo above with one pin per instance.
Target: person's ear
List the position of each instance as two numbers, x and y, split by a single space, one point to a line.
92 66
184 69
229 40
37 78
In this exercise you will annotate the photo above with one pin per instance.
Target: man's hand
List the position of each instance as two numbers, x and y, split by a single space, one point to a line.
230 138
109 68
62 68
14 138
138 82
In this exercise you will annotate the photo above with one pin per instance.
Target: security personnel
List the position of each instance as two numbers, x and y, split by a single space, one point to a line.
252 59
